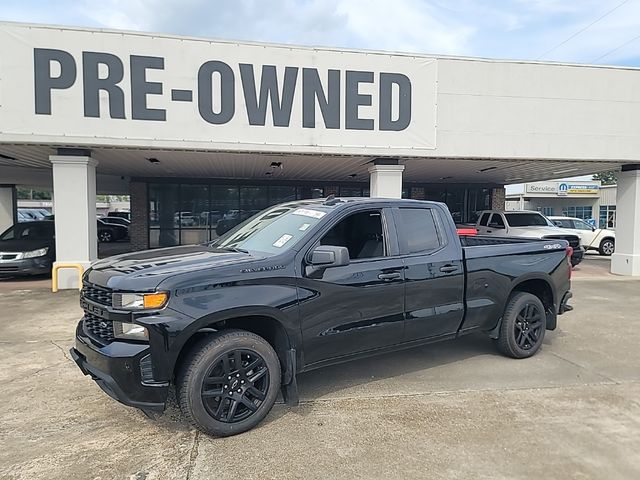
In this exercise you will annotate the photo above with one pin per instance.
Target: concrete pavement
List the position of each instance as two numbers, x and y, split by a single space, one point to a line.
451 410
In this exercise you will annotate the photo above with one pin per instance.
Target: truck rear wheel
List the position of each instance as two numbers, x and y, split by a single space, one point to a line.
229 382
523 326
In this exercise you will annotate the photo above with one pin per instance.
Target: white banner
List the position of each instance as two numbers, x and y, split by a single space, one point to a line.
74 86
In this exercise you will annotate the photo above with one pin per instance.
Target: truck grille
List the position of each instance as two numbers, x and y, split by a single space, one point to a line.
103 296
573 240
98 328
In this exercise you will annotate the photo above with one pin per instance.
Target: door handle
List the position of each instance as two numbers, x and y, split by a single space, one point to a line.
489 231
389 276
449 268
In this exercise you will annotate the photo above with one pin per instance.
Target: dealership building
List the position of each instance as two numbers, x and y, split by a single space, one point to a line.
202 133
588 200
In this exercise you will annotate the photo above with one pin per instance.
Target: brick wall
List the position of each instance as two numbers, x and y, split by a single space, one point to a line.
139 229
498 198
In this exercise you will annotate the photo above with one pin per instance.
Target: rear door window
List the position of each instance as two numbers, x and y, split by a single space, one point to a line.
484 220
418 230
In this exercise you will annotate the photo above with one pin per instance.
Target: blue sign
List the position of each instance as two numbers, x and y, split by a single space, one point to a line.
563 189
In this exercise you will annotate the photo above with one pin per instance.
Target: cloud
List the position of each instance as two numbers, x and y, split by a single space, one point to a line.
519 29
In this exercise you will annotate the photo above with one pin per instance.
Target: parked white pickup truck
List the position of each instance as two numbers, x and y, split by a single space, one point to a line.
600 239
527 224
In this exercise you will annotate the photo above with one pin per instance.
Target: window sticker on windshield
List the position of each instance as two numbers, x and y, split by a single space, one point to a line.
282 240
304 226
309 213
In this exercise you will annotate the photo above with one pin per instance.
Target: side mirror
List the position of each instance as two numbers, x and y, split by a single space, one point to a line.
558 224
497 226
327 256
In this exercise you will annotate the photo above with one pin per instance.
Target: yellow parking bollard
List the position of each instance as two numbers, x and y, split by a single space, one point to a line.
54 274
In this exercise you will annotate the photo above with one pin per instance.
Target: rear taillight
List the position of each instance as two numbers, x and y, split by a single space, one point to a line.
569 255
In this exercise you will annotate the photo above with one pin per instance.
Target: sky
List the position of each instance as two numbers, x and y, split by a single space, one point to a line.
511 29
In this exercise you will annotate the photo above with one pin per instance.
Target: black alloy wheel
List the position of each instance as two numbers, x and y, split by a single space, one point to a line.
235 386
523 326
228 382
529 324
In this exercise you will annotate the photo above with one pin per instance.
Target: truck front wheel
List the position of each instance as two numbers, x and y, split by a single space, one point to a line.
229 382
523 326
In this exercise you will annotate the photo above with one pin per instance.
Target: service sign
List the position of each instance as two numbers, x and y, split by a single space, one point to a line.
75 86
562 188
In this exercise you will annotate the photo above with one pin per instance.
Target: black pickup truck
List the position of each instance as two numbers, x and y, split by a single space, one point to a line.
299 286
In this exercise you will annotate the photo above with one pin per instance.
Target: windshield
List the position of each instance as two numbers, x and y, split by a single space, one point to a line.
29 231
274 230
526 220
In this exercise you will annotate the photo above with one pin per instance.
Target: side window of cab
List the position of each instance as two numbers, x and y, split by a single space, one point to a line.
361 233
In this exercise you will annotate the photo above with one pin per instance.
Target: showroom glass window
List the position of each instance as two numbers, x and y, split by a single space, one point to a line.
191 213
582 212
607 216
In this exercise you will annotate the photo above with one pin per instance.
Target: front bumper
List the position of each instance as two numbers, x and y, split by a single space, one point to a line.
25 266
116 368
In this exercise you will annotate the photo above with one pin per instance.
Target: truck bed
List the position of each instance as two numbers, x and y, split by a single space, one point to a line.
497 262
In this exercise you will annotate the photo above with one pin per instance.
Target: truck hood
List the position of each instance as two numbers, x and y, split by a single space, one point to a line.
145 270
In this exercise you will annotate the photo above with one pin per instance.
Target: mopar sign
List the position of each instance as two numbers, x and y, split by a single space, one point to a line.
123 89
563 189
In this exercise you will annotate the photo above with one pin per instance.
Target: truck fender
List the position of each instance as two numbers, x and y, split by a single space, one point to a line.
286 348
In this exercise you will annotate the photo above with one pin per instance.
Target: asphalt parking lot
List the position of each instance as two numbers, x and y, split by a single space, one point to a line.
455 410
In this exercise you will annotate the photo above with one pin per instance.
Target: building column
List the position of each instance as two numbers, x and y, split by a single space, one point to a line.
74 189
139 207
386 178
8 207
498 198
626 259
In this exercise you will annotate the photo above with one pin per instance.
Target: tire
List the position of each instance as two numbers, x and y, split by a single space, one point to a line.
208 405
523 326
607 247
105 236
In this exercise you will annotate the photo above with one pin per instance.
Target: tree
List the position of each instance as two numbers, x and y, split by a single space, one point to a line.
607 178
25 193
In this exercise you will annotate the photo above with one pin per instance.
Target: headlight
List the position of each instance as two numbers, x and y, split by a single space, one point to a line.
140 301
130 331
36 253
